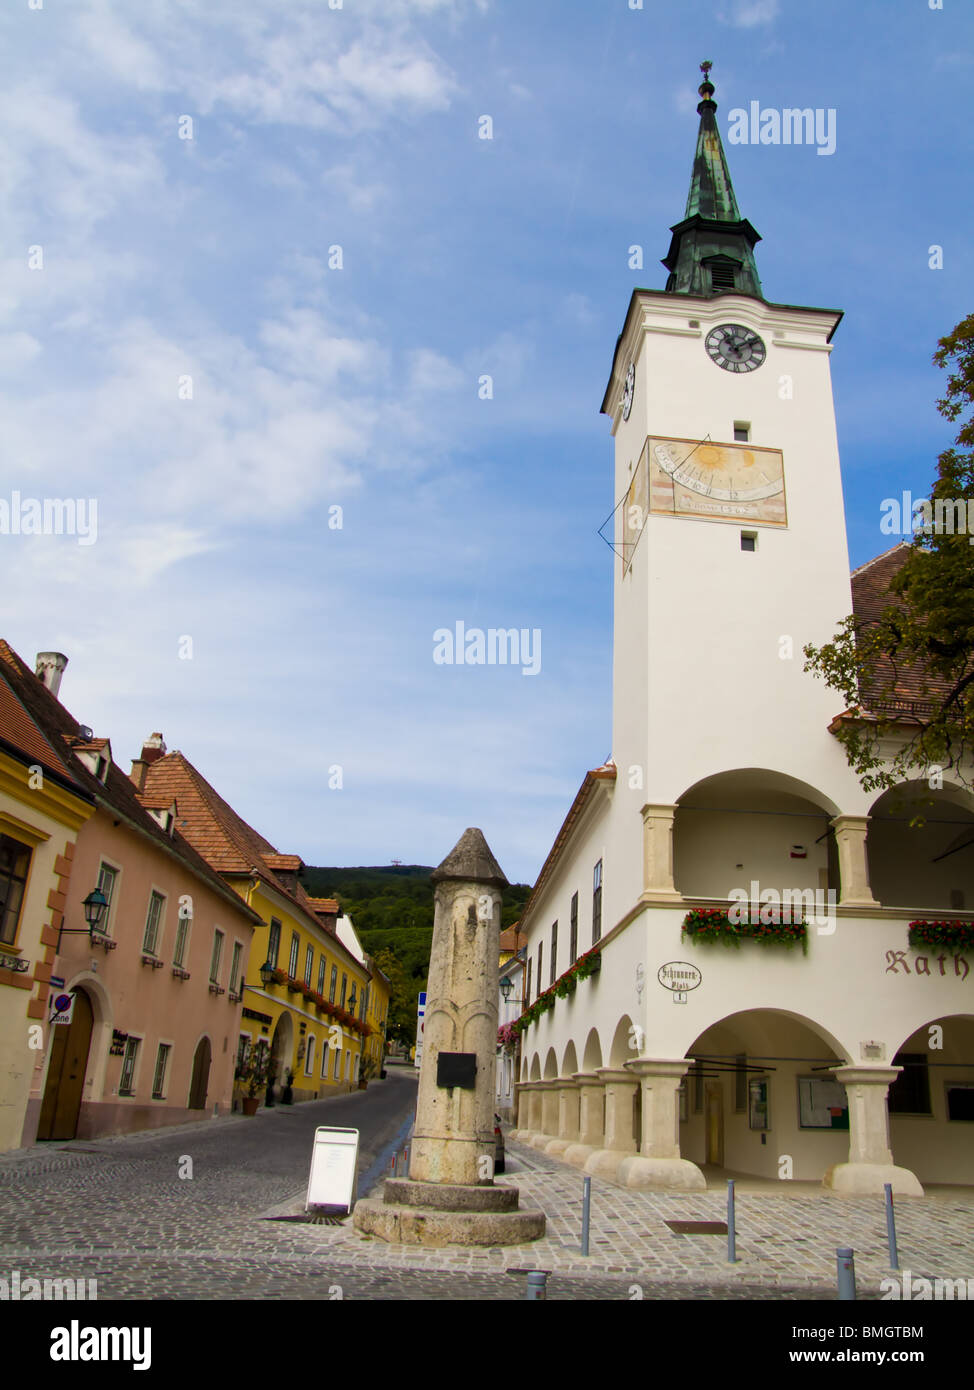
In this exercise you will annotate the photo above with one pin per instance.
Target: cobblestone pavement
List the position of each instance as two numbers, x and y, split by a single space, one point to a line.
117 1211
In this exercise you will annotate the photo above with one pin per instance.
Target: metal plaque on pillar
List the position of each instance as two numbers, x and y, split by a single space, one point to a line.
457 1069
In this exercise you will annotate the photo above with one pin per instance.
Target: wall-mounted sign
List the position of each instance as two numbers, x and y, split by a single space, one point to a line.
822 1104
679 976
420 1021
62 1008
334 1160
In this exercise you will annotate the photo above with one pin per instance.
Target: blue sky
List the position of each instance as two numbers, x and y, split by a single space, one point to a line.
313 387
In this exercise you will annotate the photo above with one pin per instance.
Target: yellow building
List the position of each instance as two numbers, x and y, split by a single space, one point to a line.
42 809
305 993
377 1017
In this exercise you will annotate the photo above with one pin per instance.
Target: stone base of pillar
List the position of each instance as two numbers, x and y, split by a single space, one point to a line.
437 1214
540 1141
604 1163
678 1174
558 1146
866 1179
579 1154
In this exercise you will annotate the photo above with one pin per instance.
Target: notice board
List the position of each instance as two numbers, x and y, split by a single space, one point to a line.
334 1163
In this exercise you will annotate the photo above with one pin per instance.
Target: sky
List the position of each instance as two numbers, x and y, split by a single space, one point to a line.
317 302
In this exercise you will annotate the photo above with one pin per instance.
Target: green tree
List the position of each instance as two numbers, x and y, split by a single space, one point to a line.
402 1004
926 632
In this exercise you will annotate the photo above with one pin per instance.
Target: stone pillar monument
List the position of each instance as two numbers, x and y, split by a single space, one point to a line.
450 1196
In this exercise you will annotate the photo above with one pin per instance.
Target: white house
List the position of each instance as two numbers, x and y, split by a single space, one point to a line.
852 1061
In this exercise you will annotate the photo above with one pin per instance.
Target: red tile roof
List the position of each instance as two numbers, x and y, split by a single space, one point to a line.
870 595
18 729
221 836
62 733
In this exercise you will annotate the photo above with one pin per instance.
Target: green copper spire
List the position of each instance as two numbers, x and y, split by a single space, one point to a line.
712 251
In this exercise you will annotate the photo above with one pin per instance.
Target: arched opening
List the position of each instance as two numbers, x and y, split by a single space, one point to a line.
760 1099
550 1065
592 1056
928 865
201 1075
282 1049
569 1063
751 826
64 1088
535 1068
931 1103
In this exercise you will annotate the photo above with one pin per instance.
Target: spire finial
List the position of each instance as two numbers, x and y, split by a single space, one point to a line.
706 88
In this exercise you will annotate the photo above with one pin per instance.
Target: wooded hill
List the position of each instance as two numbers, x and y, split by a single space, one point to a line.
391 907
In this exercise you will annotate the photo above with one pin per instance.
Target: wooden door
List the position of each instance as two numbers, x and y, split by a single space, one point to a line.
715 1123
64 1089
201 1075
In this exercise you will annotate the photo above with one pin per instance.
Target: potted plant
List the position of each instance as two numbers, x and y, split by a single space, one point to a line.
253 1073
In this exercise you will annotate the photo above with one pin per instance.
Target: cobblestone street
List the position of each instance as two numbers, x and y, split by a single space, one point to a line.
117 1211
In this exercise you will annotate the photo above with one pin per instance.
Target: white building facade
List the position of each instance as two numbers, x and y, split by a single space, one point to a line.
848 1058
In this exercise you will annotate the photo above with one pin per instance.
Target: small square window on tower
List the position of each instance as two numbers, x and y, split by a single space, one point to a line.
742 431
749 540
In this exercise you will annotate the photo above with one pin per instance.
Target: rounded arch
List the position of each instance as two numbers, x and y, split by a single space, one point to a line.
569 1061
535 1068
620 1050
752 825
200 1081
956 1035
282 1049
592 1056
758 1027
922 865
550 1065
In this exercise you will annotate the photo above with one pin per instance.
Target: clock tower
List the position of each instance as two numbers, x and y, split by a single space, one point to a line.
730 528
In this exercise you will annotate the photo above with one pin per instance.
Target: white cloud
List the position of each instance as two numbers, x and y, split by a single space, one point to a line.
747 14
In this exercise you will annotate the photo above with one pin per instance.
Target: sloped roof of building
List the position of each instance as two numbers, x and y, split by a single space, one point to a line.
223 837
912 690
61 733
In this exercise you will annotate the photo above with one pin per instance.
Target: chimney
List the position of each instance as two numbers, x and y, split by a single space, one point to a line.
49 668
153 748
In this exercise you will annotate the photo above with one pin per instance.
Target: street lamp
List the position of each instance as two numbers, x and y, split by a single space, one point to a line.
507 984
267 972
95 906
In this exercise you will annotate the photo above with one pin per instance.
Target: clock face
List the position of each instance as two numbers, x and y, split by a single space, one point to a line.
629 392
717 481
736 348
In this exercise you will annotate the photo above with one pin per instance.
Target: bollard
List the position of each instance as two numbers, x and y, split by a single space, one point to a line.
846 1274
731 1226
586 1211
894 1256
537 1284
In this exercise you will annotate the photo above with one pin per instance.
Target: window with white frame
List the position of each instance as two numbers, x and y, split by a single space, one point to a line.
309 1057
274 942
334 984
321 973
126 1085
159 1076
324 1061
597 903
338 1061
292 966
573 931
182 939
344 991
14 866
309 961
153 923
235 980
107 881
215 957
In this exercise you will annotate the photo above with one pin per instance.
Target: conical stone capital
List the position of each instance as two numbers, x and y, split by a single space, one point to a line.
470 860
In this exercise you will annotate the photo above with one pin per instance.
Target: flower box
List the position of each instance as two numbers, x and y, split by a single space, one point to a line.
711 924
952 936
180 973
154 961
216 989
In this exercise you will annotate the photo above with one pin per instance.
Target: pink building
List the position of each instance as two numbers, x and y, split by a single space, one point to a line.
157 996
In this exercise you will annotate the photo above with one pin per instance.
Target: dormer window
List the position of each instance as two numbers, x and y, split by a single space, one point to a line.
96 754
723 272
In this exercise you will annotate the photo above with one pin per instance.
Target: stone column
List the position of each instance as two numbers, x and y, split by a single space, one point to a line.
453 1141
659 1163
591 1095
850 841
658 885
548 1128
870 1164
568 1090
620 1090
